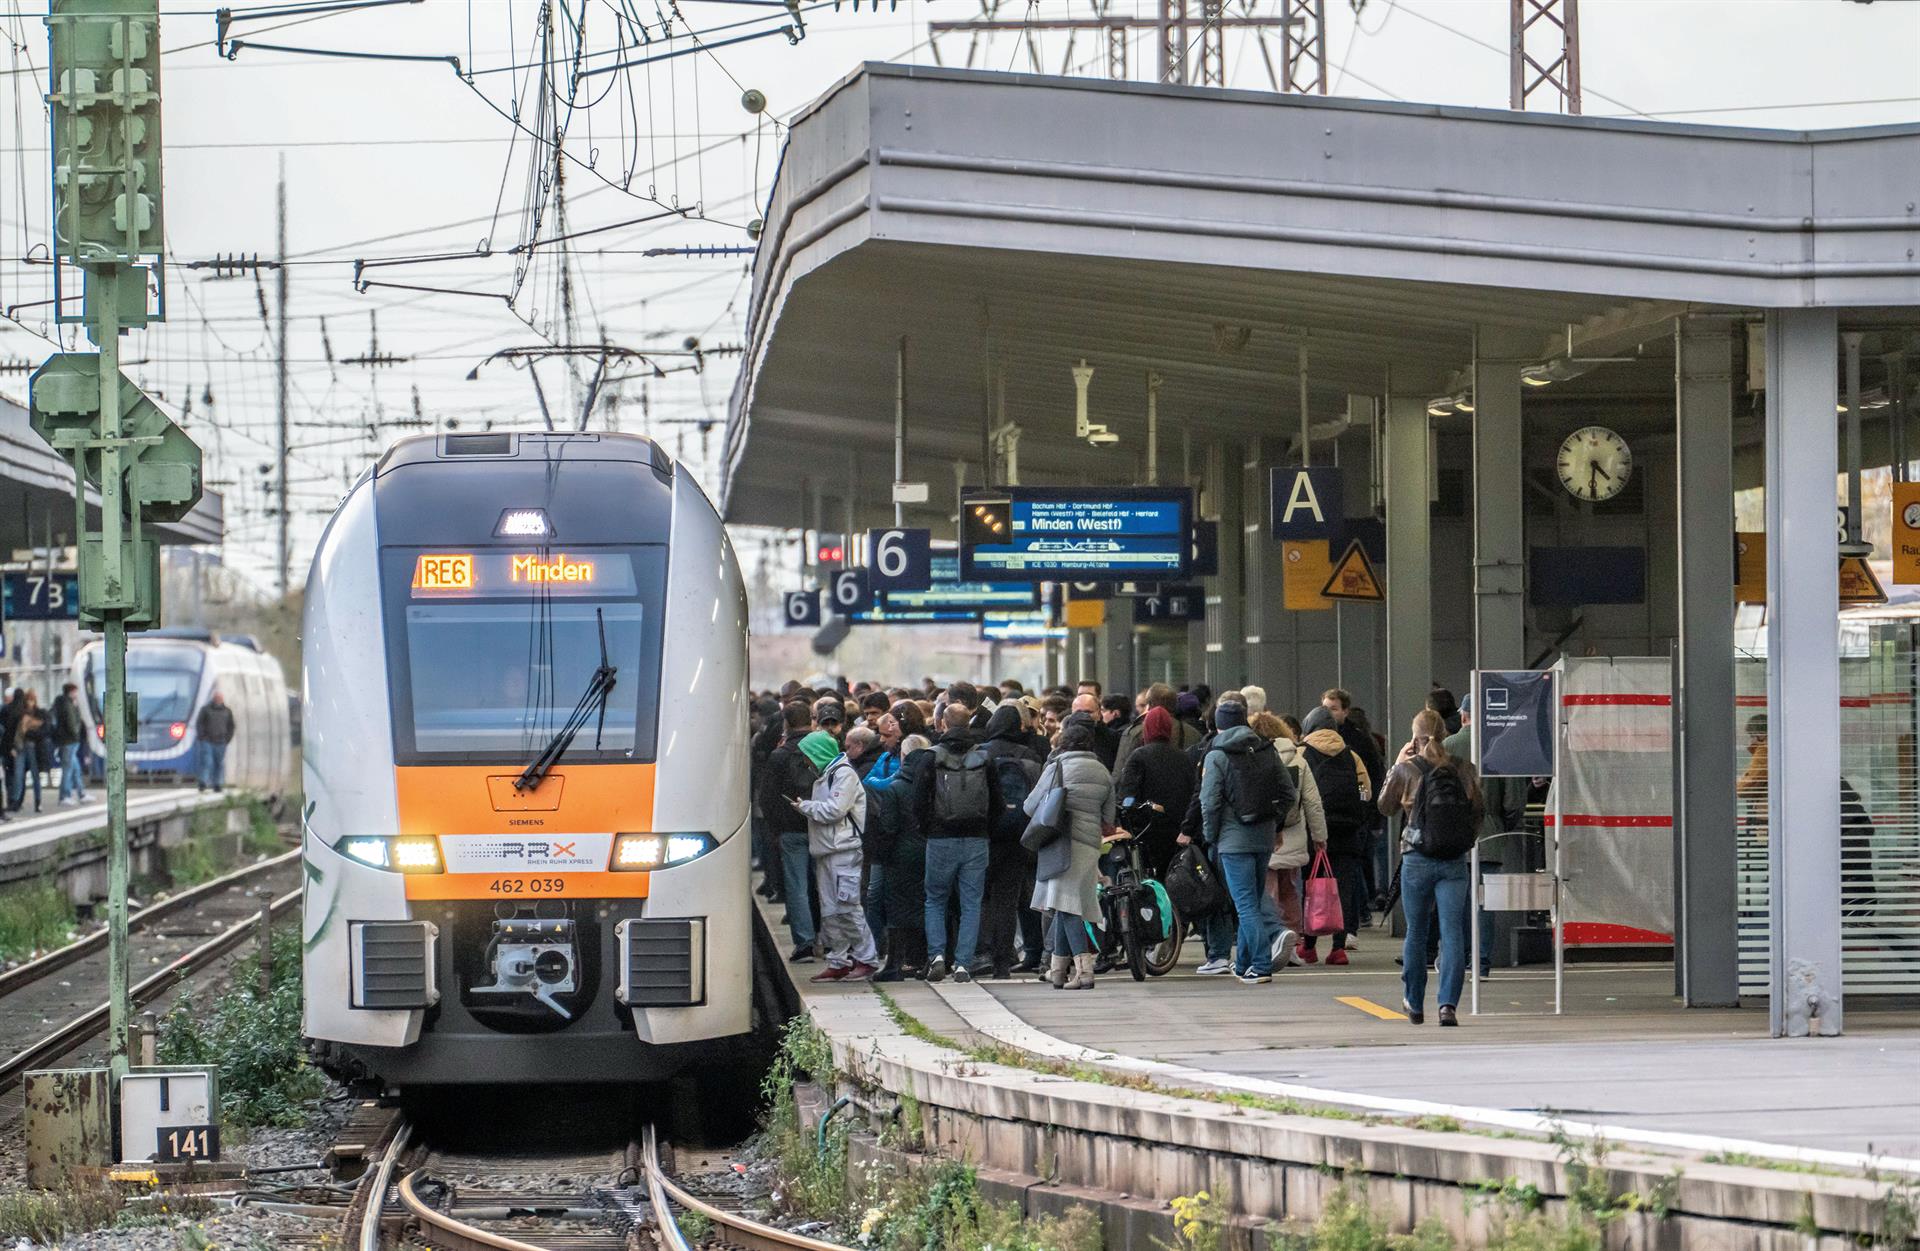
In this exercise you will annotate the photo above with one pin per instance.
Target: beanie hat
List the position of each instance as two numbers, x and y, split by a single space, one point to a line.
1226 715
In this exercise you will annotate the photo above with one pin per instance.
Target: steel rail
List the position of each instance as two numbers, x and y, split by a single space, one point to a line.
736 1229
91 1022
373 1191
449 1232
79 949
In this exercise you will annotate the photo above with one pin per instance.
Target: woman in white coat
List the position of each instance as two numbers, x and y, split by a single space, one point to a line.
1071 900
1305 830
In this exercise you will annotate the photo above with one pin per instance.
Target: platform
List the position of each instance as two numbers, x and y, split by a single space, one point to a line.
62 840
1624 1060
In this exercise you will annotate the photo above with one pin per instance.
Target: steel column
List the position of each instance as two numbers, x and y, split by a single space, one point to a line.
1409 568
1707 957
1227 618
1499 539
1803 673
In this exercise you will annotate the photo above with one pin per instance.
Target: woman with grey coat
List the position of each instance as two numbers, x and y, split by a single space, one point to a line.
1071 900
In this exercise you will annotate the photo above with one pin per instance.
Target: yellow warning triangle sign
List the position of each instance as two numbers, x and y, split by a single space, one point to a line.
1354 579
1857 583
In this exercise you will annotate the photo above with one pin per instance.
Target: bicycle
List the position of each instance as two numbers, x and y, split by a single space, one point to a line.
1141 921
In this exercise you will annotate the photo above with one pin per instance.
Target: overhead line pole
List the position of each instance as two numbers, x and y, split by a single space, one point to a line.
281 381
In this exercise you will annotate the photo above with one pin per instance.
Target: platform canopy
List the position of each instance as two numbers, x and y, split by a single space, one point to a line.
1009 226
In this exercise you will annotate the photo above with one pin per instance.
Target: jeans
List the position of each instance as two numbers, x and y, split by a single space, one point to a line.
796 867
26 765
1428 886
844 937
72 784
955 865
874 899
1246 879
1069 935
213 764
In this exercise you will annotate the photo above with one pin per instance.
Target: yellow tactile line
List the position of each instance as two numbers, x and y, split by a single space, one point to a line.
1369 1007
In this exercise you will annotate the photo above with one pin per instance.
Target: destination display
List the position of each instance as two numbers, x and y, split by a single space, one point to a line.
1076 535
451 575
946 592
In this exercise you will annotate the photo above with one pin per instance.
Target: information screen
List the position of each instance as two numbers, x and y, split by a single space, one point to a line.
946 592
507 574
1079 535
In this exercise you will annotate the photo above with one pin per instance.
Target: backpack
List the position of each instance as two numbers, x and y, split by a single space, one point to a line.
1340 800
1257 784
1193 885
1015 776
961 798
1442 815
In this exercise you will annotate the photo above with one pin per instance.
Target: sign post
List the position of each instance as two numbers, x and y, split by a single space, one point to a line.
104 71
1515 732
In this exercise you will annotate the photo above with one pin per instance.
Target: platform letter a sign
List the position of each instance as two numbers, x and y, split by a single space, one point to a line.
1306 503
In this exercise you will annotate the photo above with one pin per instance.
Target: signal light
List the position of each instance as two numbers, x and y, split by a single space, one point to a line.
177 731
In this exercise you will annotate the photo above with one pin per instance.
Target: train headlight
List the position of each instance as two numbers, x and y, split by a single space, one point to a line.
416 855
523 523
177 731
371 851
653 851
411 854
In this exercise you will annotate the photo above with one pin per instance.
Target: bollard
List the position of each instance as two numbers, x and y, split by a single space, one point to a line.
266 946
149 1040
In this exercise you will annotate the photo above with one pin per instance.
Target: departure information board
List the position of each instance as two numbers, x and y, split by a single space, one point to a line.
1076 535
946 592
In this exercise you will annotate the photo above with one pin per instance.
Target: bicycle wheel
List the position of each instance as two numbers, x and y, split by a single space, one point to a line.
1165 954
1134 943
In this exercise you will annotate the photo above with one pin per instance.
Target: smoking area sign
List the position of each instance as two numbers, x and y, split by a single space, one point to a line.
1906 533
1513 722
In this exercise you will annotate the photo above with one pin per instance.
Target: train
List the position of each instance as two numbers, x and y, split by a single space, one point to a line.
525 756
171 674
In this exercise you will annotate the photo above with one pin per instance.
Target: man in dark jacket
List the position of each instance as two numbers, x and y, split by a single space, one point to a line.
770 726
1159 695
955 800
1115 715
65 734
214 728
1015 767
789 776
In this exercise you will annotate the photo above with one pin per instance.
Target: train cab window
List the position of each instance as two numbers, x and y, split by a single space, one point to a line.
493 651
164 678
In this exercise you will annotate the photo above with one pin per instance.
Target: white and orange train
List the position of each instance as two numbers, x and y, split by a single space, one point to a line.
526 767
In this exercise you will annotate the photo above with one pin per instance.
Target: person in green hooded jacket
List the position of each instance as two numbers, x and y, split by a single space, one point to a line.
836 814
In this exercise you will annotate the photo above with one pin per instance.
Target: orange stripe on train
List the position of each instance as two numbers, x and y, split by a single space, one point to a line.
480 799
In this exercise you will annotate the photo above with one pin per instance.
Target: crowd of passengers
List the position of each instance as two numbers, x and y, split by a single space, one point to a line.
890 822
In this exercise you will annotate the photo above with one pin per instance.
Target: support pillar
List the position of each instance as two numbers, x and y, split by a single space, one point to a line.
1499 539
1113 649
1409 571
1226 622
1803 673
1707 952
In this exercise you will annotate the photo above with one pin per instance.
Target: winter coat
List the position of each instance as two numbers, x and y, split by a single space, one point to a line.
1006 737
1308 819
1184 735
1345 788
66 721
788 775
884 768
959 743
214 725
1220 826
1158 773
906 872
1106 744
836 811
1090 809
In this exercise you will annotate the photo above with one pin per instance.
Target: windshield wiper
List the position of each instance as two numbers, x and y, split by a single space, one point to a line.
592 700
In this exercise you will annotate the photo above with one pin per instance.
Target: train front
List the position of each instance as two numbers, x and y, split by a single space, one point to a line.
526 767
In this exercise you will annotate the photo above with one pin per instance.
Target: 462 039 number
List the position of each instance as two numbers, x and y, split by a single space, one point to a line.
527 886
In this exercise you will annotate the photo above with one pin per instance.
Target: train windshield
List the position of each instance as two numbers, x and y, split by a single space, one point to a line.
497 648
164 678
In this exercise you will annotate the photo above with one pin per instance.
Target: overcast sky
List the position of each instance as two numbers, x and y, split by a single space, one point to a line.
386 159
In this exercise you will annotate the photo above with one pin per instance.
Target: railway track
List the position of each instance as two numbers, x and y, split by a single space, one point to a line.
406 1199
83 1025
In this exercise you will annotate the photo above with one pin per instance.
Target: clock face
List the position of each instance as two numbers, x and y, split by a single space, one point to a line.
1595 464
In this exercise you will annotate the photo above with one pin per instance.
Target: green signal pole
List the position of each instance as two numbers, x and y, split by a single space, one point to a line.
104 304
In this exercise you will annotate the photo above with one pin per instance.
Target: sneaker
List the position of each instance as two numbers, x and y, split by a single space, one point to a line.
1294 961
1250 978
861 972
1214 968
937 970
961 973
1351 945
1309 956
1283 944
802 954
1338 955
1449 1015
832 974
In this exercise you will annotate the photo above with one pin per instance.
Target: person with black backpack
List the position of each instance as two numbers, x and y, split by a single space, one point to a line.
1244 794
1443 821
955 800
1016 767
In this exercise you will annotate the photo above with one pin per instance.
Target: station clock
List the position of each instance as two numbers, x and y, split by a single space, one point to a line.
1594 464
